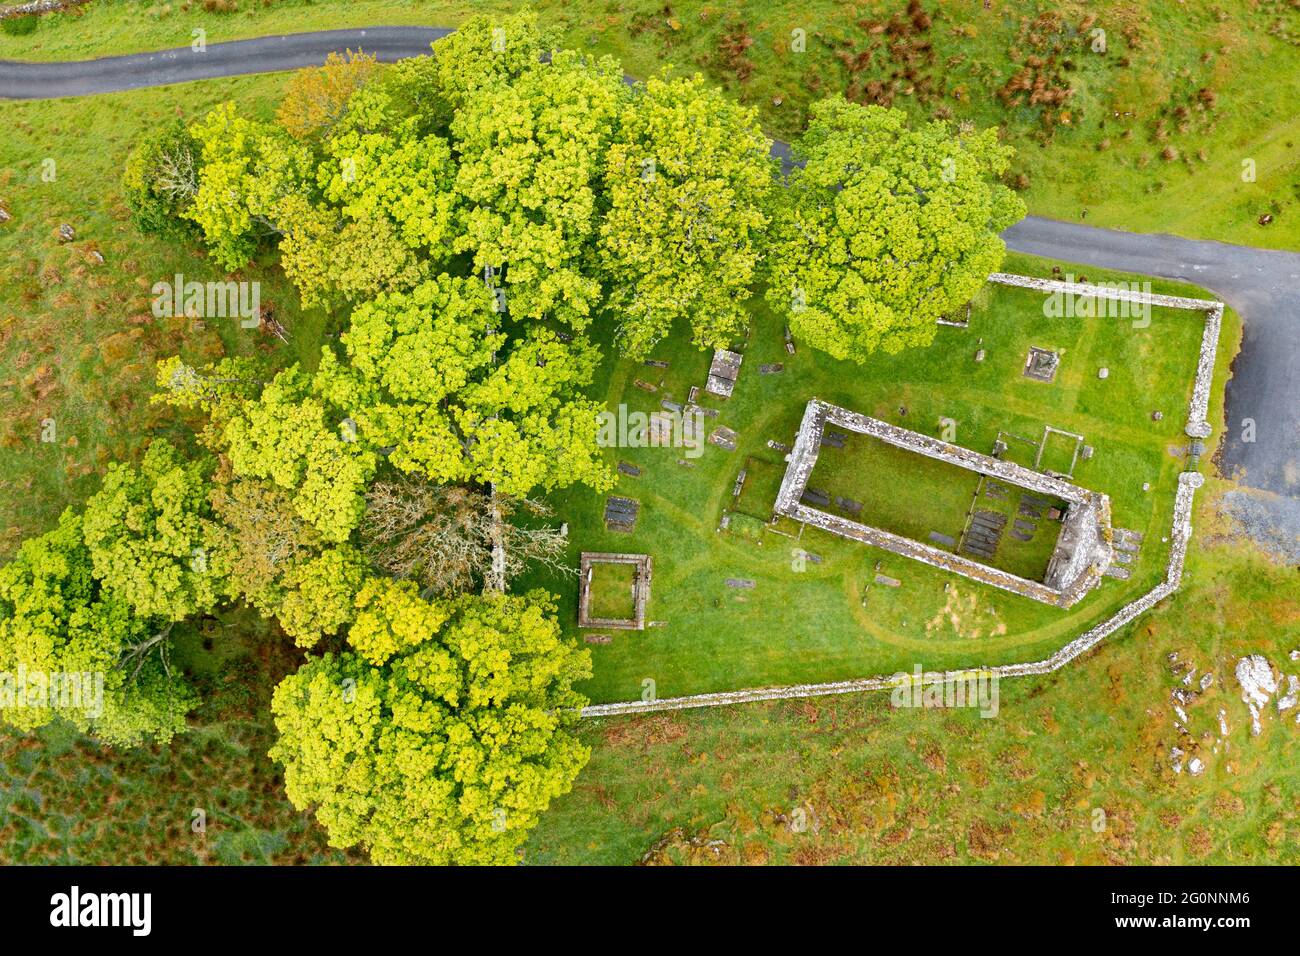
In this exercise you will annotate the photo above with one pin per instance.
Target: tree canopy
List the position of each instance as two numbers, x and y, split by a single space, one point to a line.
886 228
530 167
149 535
434 377
73 649
443 735
688 178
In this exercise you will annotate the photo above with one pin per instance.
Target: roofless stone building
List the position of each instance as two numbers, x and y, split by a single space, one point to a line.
1083 548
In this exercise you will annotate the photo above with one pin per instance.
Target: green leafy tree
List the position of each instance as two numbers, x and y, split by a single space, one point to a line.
886 228
453 398
386 216
444 742
248 170
392 619
291 436
160 181
320 594
277 561
485 49
688 179
149 534
71 649
531 153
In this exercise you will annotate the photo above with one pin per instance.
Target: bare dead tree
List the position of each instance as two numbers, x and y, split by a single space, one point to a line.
175 174
445 536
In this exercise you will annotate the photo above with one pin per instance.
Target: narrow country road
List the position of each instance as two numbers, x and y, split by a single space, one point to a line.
1262 286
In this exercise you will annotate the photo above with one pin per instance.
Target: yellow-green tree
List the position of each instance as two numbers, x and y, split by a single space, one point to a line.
886 228
444 739
531 156
72 649
455 393
688 179
150 535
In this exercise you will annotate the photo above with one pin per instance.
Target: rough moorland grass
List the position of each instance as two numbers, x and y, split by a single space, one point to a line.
211 796
819 621
1184 124
77 338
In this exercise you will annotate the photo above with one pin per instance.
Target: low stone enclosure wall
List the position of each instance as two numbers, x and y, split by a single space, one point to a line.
1082 554
644 566
1197 427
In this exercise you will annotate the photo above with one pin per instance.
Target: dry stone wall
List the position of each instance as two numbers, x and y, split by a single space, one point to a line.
1180 537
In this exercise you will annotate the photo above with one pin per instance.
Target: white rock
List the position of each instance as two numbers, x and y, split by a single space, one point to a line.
1291 696
1255 675
1196 767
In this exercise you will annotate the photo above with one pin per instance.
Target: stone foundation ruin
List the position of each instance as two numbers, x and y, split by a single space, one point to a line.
644 566
1083 549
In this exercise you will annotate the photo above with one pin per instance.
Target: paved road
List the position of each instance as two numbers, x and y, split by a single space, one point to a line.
1263 286
36 81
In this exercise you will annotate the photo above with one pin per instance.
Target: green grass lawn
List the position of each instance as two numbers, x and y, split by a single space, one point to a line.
1137 145
807 621
899 490
612 592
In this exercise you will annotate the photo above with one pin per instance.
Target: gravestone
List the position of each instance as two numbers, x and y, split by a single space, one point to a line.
1041 364
629 469
815 498
723 373
723 437
739 486
621 513
848 504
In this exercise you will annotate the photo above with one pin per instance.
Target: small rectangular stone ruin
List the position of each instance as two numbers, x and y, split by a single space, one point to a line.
644 566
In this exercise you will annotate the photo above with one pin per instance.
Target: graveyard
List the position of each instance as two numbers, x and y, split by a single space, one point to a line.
743 598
